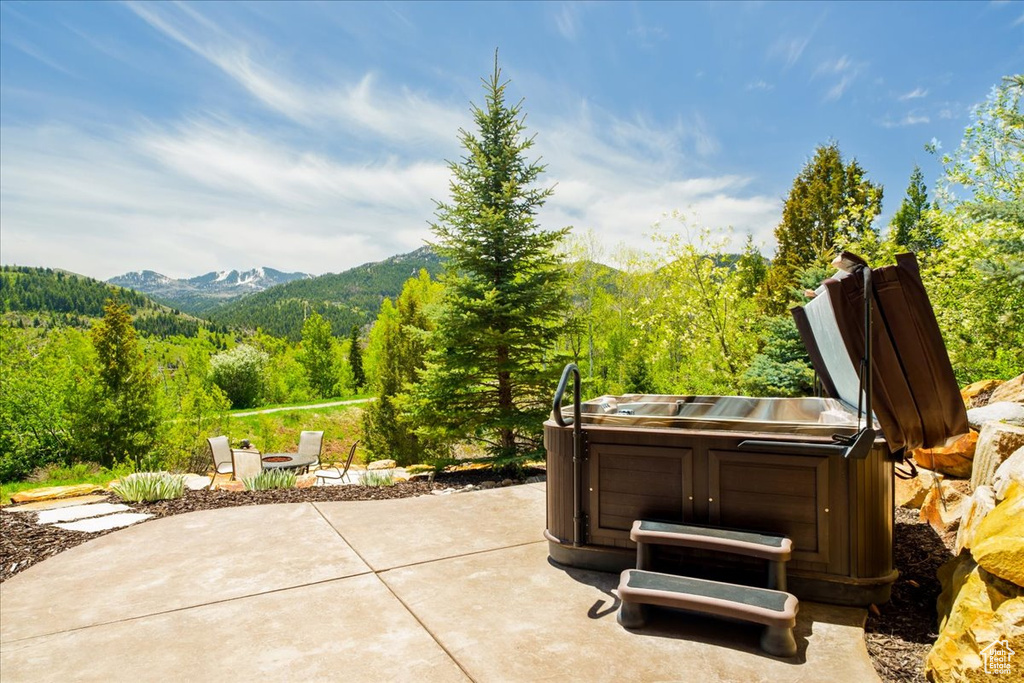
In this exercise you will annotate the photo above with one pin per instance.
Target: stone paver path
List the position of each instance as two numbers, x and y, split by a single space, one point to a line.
84 513
104 523
70 514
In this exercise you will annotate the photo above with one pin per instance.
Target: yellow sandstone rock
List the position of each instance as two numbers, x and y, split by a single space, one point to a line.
1010 390
985 386
981 502
51 492
998 544
381 465
980 615
910 493
954 460
944 505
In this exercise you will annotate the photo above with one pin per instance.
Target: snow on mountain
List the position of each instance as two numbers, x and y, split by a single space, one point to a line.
203 292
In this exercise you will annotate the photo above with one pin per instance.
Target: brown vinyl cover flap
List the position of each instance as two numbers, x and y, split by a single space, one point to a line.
915 395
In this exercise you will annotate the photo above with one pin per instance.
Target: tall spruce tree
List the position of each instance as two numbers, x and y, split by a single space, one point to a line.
491 369
910 227
355 359
830 204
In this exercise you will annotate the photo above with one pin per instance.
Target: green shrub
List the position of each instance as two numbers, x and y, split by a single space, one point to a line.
270 479
241 374
149 486
379 478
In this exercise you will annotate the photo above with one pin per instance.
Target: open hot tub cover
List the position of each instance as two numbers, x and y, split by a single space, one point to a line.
915 395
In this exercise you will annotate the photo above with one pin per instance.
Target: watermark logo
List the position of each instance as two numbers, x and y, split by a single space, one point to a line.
997 656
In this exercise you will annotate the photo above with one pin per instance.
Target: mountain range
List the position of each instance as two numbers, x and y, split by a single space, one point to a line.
199 294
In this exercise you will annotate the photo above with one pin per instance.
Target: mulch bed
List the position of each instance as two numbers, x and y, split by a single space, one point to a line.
898 636
904 629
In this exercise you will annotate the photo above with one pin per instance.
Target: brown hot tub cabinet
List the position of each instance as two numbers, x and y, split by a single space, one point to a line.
782 465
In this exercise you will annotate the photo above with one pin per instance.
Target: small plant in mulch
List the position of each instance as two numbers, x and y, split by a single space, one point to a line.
270 479
379 478
149 486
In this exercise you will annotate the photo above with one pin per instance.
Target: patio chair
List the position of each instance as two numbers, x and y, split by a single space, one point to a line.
311 443
223 462
335 472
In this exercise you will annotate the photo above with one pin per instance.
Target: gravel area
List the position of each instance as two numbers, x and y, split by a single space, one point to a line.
901 632
898 634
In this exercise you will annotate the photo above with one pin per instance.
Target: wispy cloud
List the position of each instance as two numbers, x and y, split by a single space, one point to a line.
567 20
789 49
844 69
760 85
911 119
914 94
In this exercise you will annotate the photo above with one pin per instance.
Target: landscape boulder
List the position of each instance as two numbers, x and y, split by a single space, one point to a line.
1012 470
953 460
1011 390
976 508
944 505
982 611
1004 411
910 493
381 465
998 544
996 443
305 481
52 492
978 393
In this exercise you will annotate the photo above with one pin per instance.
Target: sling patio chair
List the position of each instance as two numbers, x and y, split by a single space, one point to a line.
311 443
223 460
335 472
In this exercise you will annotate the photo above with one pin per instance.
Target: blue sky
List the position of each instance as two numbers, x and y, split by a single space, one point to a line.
185 138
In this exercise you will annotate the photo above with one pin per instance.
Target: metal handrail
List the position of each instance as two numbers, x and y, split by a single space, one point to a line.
577 443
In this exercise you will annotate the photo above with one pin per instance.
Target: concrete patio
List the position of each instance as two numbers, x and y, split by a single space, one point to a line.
436 588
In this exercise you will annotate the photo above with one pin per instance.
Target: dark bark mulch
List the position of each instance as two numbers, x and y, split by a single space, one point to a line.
23 542
904 629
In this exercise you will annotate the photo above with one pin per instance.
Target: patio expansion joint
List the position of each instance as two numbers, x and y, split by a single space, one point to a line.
184 608
401 602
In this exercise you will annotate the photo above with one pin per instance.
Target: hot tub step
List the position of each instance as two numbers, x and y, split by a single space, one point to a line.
776 610
776 548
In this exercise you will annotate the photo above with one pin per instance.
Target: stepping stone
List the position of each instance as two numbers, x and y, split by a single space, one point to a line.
54 504
70 514
103 523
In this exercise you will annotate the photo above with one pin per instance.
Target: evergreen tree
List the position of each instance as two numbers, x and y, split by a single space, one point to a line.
355 359
751 268
491 370
119 418
830 204
910 228
318 355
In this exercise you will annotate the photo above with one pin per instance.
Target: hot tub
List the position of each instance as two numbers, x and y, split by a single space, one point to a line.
811 468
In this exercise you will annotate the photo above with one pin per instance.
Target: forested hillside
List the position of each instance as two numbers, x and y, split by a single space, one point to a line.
46 297
345 299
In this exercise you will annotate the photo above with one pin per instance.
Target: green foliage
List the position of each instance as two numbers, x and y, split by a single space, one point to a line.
40 376
46 289
491 369
118 417
344 299
781 367
395 356
241 374
270 479
976 282
149 486
830 205
910 229
318 355
378 478
751 269
355 360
